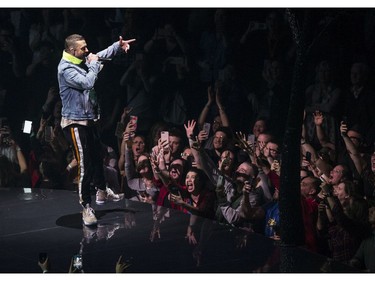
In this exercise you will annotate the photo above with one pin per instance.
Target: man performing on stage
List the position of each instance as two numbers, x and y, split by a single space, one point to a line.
77 73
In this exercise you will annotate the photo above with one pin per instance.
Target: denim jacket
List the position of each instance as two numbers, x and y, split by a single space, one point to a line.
77 92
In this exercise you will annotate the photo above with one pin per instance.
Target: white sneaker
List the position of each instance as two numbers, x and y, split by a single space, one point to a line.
88 215
111 196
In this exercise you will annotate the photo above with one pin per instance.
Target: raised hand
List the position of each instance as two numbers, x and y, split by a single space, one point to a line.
125 113
202 136
125 44
121 265
343 128
243 144
189 128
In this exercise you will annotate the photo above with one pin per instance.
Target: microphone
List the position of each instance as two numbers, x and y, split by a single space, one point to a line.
104 59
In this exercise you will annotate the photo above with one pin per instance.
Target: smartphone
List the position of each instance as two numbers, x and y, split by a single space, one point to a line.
251 139
220 181
48 133
77 261
174 190
207 127
42 257
164 135
134 120
26 127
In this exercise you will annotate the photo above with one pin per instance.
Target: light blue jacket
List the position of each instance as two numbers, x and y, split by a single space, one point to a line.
77 93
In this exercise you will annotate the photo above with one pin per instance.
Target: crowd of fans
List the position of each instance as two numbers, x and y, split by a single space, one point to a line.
218 81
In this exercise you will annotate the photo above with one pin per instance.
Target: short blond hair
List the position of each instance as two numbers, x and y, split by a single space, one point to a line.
71 40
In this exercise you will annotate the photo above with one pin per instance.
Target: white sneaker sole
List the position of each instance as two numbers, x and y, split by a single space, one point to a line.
100 202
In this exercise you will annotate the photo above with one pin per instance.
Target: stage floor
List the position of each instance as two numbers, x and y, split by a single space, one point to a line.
43 220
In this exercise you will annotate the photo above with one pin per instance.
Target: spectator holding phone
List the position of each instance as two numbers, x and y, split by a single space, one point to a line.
324 96
136 145
358 101
138 171
359 161
200 200
220 120
14 168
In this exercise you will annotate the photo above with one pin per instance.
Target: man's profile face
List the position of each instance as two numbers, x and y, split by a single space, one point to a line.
80 49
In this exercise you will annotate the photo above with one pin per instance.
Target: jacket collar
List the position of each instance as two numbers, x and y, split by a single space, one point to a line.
68 57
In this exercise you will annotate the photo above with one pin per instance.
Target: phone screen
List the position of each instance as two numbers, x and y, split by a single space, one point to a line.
26 128
134 120
207 127
251 139
164 136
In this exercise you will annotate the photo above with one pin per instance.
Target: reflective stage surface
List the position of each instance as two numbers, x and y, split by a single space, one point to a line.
41 220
